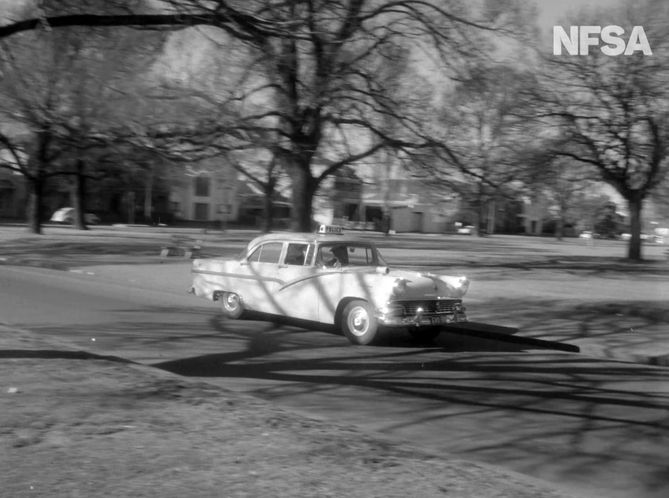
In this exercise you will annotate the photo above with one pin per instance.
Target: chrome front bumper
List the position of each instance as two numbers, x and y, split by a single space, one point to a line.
413 314
421 320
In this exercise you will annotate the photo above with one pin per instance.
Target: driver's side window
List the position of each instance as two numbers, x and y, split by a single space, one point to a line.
332 256
295 254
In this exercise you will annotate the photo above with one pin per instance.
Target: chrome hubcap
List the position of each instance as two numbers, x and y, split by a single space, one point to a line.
232 301
358 321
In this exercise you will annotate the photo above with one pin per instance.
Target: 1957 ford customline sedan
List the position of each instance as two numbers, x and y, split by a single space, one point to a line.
331 278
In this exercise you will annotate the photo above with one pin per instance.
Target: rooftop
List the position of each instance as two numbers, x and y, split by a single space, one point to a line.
307 237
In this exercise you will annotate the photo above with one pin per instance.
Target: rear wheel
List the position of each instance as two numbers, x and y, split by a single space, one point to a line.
231 305
358 322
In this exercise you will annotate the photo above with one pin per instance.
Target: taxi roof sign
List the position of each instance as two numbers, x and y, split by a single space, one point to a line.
330 229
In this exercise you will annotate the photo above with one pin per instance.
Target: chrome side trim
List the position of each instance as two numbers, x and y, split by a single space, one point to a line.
308 277
237 275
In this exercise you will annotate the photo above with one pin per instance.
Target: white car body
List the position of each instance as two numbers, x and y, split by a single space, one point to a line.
66 215
297 282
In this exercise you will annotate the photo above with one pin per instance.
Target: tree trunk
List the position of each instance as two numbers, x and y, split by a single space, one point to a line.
35 197
479 206
492 208
304 188
36 182
148 196
78 196
131 207
559 226
268 207
477 221
635 205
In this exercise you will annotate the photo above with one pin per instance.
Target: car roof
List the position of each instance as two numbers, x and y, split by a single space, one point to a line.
309 238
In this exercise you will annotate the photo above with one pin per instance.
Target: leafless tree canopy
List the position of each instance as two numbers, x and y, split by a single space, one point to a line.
613 114
312 86
332 75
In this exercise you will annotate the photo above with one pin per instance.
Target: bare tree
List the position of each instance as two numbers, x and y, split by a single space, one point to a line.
613 114
31 101
564 183
481 130
63 87
328 71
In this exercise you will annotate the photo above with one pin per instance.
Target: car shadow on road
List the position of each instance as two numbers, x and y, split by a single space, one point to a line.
469 336
547 383
530 409
267 353
47 354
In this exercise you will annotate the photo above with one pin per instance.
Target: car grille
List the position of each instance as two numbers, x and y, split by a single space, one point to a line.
441 306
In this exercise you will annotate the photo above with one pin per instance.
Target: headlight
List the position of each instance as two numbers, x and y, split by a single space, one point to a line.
462 284
399 285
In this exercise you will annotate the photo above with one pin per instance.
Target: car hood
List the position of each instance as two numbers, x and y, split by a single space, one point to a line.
409 285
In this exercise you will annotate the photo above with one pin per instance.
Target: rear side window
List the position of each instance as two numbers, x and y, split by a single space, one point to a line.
267 253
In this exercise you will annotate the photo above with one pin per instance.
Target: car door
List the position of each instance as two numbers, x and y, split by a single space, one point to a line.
298 295
260 272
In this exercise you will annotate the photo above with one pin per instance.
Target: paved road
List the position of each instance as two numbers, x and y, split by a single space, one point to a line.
596 428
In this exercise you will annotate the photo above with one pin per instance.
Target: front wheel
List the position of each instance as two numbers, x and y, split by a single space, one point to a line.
231 305
358 322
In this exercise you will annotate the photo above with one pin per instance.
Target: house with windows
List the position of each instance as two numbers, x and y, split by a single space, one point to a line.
412 205
251 202
205 195
400 204
536 211
12 195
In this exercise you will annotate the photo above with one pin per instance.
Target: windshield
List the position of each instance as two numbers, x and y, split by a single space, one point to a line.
335 255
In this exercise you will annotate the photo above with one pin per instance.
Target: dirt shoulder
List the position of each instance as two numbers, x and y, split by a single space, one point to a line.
74 424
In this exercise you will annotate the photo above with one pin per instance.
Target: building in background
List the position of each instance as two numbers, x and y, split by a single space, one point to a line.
208 194
399 204
251 201
13 198
411 205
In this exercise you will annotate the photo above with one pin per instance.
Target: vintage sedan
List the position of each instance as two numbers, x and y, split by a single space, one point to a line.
66 215
333 279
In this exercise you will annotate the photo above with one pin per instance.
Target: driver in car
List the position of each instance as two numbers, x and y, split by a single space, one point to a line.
336 257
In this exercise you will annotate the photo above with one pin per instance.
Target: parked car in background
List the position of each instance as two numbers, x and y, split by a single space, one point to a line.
66 216
331 278
644 236
466 230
